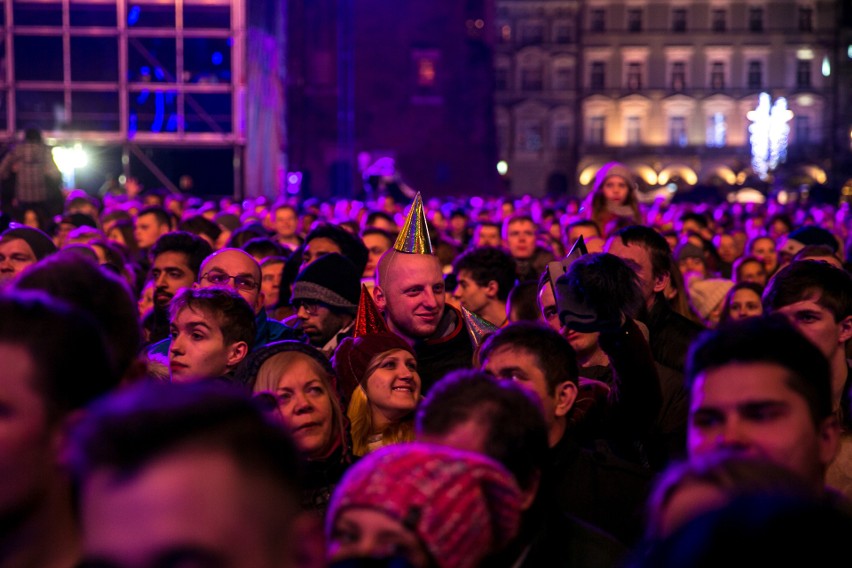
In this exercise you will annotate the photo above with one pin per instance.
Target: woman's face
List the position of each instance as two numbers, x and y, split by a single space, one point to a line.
393 387
366 533
745 303
305 405
615 189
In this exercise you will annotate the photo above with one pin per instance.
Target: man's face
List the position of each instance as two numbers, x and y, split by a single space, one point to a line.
27 441
316 248
319 322
520 238
15 256
750 407
471 295
148 230
727 248
376 245
198 348
412 295
818 325
487 235
170 273
271 282
638 258
163 516
235 262
286 222
521 366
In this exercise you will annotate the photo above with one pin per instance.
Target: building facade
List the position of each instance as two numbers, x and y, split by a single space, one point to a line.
667 87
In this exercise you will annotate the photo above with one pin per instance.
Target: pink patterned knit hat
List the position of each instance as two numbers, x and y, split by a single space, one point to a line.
460 505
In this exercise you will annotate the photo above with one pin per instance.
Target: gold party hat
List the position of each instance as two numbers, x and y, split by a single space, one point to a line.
414 236
477 327
368 320
557 268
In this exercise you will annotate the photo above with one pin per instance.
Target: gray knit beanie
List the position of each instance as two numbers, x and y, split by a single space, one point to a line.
331 279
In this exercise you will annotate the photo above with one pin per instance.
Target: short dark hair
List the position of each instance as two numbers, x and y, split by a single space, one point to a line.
262 247
103 294
201 225
516 429
194 247
146 421
554 355
66 346
232 311
804 279
351 246
766 339
488 263
163 216
652 241
523 297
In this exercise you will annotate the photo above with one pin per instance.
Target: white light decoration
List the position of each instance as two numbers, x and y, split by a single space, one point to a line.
826 66
69 159
502 167
768 134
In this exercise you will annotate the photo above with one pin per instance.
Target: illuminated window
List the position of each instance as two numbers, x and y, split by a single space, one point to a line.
677 131
426 72
678 82
717 130
596 130
634 131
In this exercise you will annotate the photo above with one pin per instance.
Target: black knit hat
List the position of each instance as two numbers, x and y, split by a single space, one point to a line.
814 235
39 241
331 279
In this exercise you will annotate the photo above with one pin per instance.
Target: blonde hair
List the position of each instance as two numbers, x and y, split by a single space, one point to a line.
270 373
361 416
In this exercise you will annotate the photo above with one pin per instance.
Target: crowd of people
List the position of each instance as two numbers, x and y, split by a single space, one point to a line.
445 383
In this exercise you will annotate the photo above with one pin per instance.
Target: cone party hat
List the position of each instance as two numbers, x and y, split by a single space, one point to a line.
414 236
477 327
368 319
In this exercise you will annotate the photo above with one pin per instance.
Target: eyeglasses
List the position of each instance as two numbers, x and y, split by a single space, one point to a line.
310 307
246 283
